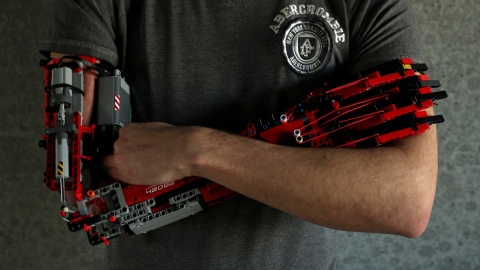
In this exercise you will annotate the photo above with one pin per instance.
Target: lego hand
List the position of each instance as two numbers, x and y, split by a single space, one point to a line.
152 153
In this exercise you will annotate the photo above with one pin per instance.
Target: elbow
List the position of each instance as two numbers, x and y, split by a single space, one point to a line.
413 207
416 215
416 226
418 197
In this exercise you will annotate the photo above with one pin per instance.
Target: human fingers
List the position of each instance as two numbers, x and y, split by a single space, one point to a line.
108 162
109 165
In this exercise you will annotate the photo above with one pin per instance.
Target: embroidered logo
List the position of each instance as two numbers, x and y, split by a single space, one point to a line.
307 46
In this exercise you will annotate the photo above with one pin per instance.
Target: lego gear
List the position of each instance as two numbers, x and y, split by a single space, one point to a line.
374 107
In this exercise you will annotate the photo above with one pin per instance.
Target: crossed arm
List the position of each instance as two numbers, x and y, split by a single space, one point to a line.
386 189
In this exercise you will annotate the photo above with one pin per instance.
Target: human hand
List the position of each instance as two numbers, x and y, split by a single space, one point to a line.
152 153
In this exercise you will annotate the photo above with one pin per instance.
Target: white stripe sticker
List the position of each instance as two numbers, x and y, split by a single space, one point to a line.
117 102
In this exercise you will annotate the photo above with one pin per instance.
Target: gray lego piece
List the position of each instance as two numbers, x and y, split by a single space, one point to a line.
109 231
62 79
77 97
164 217
107 192
184 196
62 155
112 104
137 211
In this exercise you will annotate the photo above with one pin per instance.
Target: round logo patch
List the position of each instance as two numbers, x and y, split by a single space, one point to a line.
307 46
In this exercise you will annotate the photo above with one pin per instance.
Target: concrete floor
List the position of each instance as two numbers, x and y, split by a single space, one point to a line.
32 236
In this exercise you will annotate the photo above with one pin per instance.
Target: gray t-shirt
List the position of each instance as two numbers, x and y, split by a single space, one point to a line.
223 64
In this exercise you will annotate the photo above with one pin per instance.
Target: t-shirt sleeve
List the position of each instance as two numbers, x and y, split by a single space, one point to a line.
83 28
382 30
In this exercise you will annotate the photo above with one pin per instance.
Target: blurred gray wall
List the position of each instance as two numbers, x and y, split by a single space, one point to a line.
33 237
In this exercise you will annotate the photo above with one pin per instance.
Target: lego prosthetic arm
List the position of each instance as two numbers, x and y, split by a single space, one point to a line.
374 107
74 152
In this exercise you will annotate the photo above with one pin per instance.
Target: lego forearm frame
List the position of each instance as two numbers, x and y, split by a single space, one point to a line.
377 106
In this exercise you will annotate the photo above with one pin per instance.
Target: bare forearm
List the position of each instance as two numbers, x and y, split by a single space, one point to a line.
384 189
